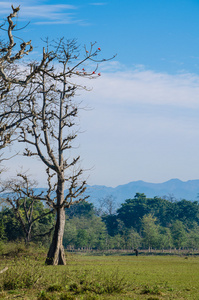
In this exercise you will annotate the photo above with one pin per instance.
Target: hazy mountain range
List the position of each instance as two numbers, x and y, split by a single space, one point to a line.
188 190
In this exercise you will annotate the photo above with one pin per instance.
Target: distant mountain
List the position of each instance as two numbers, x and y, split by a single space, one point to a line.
188 190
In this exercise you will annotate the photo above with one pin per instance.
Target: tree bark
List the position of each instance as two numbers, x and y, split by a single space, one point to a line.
56 254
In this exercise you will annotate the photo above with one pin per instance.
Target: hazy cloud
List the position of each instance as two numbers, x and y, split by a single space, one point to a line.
43 14
139 86
98 3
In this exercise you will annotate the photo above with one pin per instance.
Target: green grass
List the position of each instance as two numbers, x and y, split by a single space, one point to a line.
99 277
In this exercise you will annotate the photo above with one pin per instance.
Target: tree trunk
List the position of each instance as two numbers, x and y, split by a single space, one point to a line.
28 235
56 255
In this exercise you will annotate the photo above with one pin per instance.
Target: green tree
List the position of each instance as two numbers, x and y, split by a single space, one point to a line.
85 232
165 240
188 212
82 238
193 237
119 241
150 231
12 226
133 239
112 223
70 233
179 234
132 211
82 209
2 231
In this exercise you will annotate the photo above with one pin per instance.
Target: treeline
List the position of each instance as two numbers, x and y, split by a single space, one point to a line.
140 222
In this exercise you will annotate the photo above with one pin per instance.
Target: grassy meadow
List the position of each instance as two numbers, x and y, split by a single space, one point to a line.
96 277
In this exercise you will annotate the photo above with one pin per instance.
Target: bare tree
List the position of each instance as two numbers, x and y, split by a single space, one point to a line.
51 129
48 124
20 194
14 79
106 206
10 56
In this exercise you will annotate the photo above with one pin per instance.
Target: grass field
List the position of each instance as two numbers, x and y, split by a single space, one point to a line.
98 277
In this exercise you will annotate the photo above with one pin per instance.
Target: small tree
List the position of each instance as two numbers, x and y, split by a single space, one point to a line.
106 206
22 199
150 231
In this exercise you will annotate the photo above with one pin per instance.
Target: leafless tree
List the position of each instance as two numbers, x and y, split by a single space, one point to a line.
10 56
48 124
13 80
106 206
20 195
50 131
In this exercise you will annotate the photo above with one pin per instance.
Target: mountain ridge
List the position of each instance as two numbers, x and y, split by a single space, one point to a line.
177 188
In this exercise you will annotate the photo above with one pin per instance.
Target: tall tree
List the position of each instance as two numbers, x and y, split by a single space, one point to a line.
49 133
48 122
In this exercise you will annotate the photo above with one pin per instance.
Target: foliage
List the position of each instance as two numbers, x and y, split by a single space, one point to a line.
150 231
179 234
2 230
12 226
85 232
82 209
156 222
84 229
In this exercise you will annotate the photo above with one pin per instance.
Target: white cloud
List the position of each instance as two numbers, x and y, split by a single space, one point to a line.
54 13
146 87
51 12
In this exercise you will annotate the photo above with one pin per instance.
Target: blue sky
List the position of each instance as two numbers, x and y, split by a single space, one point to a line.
144 122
